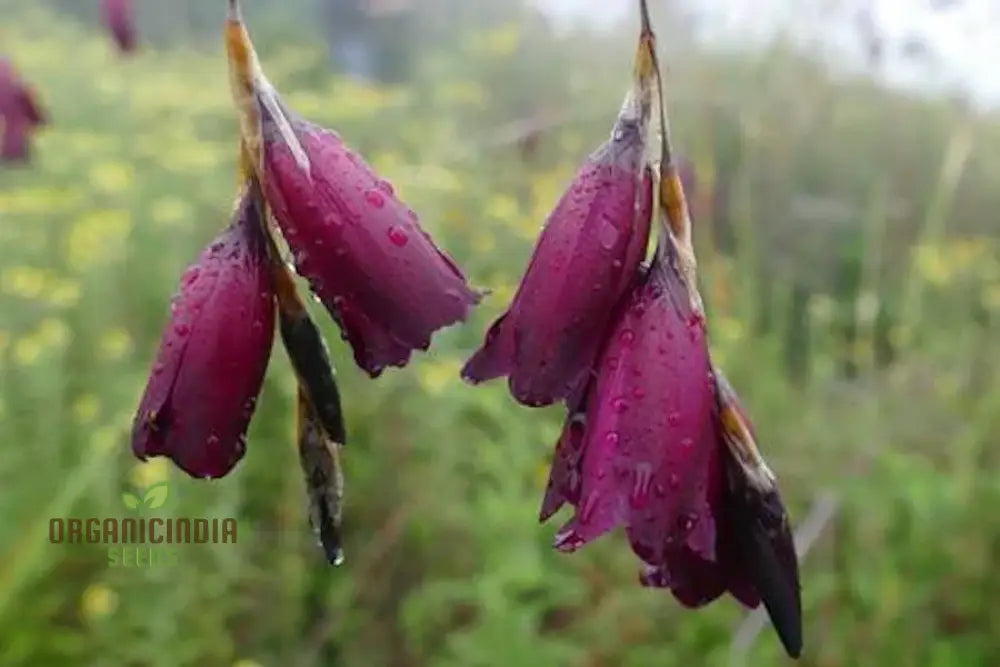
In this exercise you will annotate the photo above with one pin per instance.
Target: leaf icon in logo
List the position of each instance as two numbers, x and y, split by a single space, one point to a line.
155 496
130 500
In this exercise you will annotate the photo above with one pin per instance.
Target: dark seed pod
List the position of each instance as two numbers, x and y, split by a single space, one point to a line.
308 353
760 522
320 459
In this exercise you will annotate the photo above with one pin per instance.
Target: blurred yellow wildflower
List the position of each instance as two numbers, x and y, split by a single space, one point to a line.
435 376
97 237
85 409
115 344
26 282
111 177
97 602
153 471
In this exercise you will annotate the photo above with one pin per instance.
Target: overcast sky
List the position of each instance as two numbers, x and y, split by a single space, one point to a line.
963 38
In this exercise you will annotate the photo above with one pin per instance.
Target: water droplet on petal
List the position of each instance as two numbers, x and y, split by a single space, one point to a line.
398 236
612 438
619 405
375 198
607 235
687 443
640 489
674 480
589 506
386 187
627 337
182 330
674 418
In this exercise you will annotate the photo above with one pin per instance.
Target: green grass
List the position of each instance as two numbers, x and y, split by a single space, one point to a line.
854 289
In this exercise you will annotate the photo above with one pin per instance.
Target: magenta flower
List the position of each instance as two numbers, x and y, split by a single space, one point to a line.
20 115
661 446
119 18
208 372
363 251
585 260
648 435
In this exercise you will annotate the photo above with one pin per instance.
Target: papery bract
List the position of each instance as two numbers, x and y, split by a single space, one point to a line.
586 257
119 18
208 372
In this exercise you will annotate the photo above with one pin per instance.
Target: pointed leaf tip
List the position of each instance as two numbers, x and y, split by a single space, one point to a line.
646 24
155 496
129 500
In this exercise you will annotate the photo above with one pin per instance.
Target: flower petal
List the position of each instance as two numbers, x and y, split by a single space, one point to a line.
204 385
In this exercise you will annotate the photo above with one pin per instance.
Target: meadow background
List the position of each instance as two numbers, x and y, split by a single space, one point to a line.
849 253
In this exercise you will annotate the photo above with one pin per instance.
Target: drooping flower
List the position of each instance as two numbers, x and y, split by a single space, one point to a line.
20 115
363 251
648 435
213 353
119 18
658 443
585 260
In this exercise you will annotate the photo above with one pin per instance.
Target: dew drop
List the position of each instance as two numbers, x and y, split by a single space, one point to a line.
674 480
687 443
641 487
398 236
639 392
589 507
627 337
607 235
182 330
619 405
375 198
386 187
213 441
612 438
674 418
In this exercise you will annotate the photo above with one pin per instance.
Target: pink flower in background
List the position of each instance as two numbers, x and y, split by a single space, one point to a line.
119 18
208 372
20 115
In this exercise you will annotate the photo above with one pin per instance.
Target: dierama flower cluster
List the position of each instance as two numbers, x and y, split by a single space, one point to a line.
365 255
655 440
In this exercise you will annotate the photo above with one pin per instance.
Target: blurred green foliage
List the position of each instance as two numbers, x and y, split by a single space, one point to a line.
853 277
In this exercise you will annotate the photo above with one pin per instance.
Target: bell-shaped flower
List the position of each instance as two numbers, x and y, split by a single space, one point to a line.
213 353
363 251
584 262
